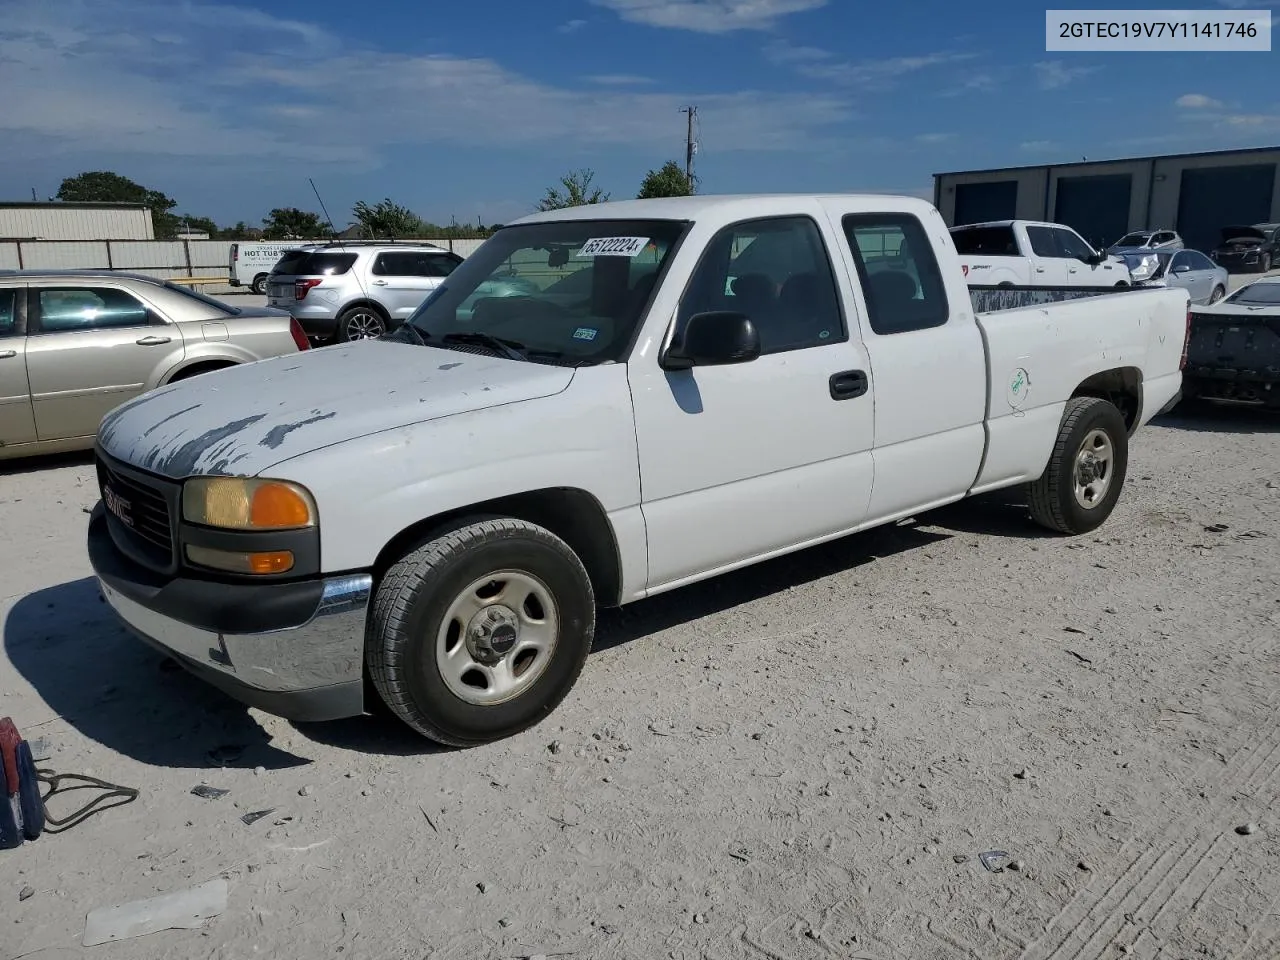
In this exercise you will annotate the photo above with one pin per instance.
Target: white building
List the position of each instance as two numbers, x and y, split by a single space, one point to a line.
55 220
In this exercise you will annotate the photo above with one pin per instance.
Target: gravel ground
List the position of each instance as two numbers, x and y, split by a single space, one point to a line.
801 760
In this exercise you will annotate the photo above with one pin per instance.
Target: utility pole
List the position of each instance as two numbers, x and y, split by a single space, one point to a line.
690 146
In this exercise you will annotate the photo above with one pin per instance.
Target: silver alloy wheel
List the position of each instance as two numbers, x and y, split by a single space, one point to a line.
363 325
1093 469
497 637
1218 294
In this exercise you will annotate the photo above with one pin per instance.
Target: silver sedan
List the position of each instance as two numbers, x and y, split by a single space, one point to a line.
1191 270
74 344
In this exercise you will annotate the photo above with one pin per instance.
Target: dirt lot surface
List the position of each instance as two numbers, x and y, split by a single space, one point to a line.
802 760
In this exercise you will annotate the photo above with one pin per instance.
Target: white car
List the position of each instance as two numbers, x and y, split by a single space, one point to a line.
1026 253
1144 241
442 510
1233 354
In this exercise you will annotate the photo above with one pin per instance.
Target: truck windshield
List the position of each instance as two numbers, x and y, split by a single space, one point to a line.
559 292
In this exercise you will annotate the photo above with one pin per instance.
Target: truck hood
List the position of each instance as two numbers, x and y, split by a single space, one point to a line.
245 419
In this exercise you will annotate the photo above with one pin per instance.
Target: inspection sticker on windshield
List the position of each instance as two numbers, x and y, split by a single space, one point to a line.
614 247
585 333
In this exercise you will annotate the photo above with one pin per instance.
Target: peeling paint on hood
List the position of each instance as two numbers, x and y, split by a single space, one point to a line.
243 420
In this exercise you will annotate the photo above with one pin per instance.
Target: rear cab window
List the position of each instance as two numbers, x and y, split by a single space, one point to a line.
900 277
73 309
985 242
1042 242
305 263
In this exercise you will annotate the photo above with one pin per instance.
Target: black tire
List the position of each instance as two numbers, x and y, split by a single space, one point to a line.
1052 498
411 607
197 369
360 323
1266 263
1123 283
259 285
1218 293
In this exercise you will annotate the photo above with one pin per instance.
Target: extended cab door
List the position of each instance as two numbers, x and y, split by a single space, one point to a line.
1048 266
743 460
928 357
91 347
17 423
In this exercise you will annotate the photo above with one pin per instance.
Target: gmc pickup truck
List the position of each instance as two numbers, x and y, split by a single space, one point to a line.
433 517
1023 253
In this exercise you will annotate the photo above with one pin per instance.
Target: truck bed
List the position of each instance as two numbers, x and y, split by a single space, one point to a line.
992 299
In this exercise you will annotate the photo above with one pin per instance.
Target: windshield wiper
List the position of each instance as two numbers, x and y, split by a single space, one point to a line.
511 349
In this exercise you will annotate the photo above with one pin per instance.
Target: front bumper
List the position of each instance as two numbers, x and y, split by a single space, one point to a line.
1239 263
292 649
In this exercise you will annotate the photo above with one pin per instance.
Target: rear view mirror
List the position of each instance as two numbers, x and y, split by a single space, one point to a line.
714 339
558 257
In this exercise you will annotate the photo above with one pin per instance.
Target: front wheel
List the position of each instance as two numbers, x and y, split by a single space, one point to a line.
360 323
1266 263
481 632
1080 486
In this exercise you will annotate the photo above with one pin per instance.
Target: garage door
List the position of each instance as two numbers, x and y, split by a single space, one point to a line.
1096 207
980 202
1211 198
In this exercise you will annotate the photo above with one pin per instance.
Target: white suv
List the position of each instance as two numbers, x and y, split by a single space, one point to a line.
356 290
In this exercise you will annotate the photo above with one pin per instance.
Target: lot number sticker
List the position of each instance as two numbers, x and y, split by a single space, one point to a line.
614 247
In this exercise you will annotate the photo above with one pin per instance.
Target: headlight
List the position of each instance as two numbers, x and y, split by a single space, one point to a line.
241 503
1144 269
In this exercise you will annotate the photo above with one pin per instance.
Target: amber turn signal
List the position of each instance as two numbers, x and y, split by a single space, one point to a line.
260 563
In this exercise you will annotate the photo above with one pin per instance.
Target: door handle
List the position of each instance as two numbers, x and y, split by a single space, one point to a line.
379 283
1039 269
8 354
847 385
152 341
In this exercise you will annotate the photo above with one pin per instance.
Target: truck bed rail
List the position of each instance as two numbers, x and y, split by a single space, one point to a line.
991 299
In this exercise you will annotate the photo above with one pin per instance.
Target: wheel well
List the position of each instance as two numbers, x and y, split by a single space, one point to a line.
1121 386
374 304
202 366
575 516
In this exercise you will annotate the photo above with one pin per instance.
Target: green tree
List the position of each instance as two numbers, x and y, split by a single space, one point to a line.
103 186
196 224
387 220
667 181
290 223
577 192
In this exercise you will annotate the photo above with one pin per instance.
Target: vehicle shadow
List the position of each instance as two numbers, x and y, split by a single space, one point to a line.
45 461
114 689
1001 513
1211 418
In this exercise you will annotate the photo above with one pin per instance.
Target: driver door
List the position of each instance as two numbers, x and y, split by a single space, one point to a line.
743 460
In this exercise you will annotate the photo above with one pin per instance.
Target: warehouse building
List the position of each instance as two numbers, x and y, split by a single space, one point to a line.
29 220
1194 193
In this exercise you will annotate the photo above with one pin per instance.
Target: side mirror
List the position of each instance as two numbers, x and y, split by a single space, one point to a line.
714 339
1182 268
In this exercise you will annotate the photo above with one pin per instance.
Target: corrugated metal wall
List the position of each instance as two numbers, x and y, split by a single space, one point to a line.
75 223
157 258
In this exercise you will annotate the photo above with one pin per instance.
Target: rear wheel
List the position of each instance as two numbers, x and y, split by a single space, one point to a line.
1218 293
360 323
259 285
481 632
1080 486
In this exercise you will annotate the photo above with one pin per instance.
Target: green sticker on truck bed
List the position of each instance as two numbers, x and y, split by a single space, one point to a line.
1019 386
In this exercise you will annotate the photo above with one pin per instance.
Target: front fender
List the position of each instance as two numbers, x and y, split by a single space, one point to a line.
370 489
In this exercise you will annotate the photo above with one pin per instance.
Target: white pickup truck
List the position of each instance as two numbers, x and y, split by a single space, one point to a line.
1023 253
437 514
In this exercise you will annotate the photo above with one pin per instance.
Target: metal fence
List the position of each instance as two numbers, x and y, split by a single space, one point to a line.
157 258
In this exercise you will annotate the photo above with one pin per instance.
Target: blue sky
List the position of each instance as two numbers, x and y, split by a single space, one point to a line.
471 109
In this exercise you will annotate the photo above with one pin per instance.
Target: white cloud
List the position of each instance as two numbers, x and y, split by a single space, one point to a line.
1053 74
571 26
819 64
1039 146
935 137
1197 101
709 16
292 92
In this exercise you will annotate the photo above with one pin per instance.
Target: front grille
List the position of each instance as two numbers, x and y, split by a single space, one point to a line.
141 509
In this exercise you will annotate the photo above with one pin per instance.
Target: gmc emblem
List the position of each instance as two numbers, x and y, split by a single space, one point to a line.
118 505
